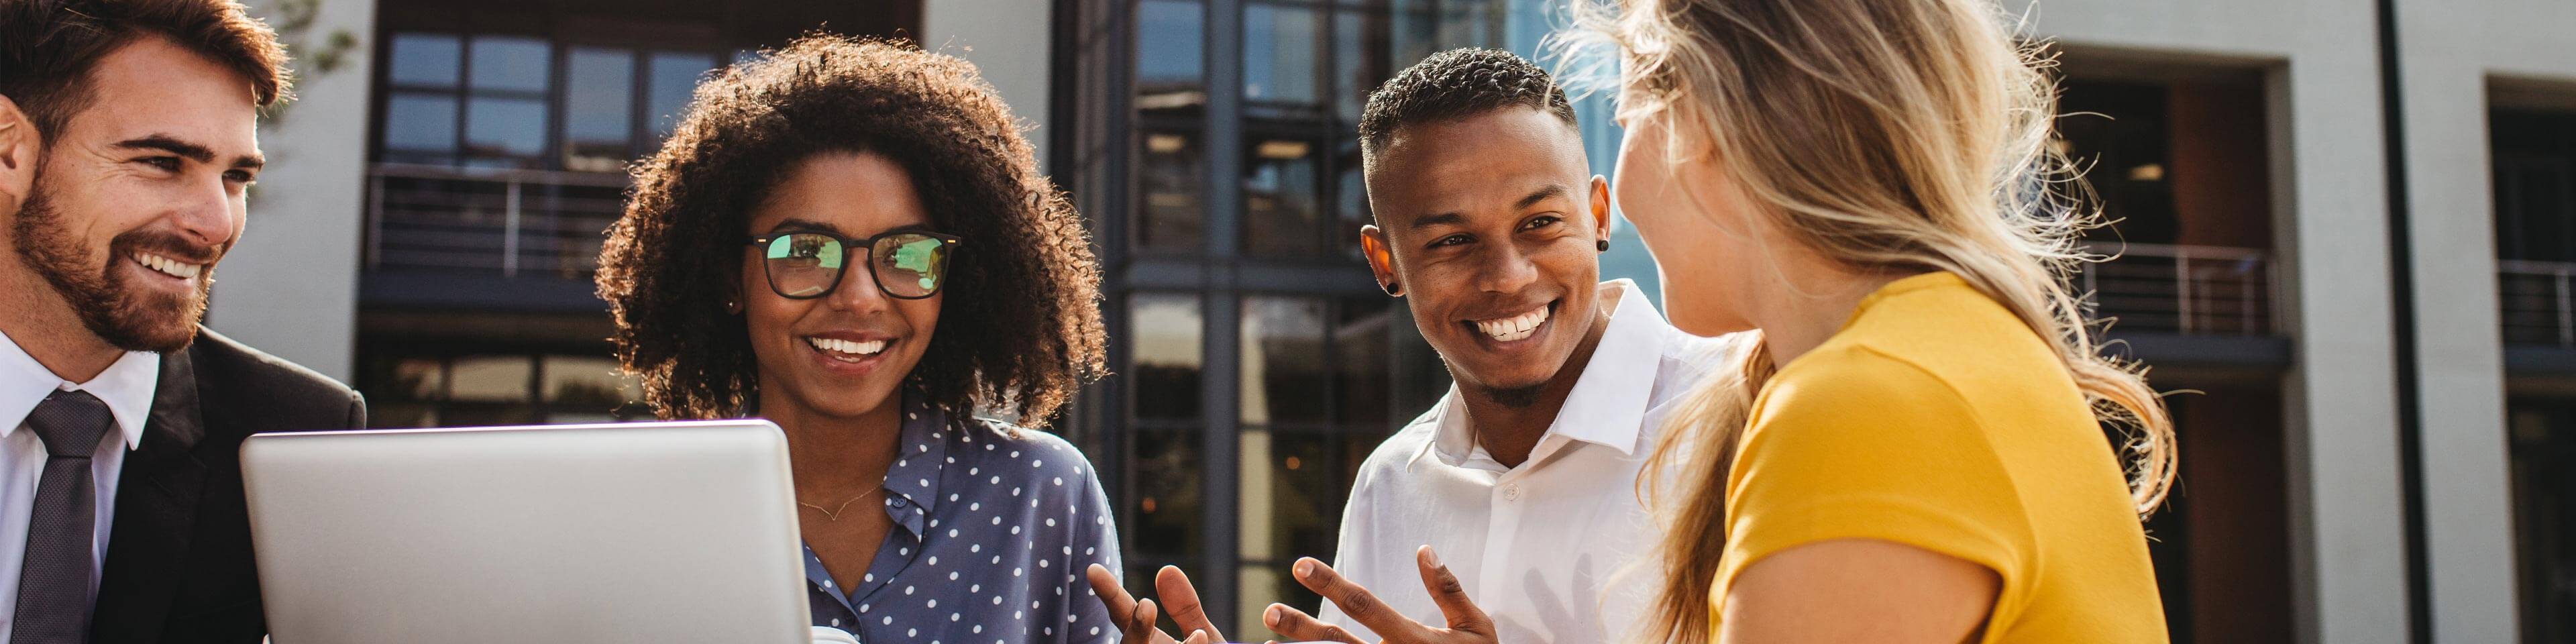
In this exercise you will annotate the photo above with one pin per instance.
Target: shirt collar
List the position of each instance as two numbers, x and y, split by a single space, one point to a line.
919 460
127 386
1608 403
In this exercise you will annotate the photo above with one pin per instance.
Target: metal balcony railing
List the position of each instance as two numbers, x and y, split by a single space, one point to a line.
2534 303
2191 290
511 222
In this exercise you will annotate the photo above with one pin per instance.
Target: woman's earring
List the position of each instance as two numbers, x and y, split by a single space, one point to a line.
733 306
1604 245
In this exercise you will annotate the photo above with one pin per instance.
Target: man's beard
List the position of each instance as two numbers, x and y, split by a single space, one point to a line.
130 319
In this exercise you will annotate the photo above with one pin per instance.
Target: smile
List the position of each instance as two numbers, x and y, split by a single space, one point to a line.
1514 327
168 266
846 350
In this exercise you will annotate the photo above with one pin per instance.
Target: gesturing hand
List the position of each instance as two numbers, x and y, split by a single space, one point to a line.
1136 618
1467 623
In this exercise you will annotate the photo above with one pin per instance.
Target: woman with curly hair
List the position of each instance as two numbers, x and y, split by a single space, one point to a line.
851 239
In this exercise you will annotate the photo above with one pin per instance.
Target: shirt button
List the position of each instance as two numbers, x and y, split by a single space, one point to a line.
1512 492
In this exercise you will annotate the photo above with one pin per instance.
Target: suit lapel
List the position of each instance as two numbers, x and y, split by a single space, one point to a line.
156 509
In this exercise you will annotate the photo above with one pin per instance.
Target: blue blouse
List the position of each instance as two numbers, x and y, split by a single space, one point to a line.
993 528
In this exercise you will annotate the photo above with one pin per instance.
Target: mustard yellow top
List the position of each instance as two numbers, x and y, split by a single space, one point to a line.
1936 419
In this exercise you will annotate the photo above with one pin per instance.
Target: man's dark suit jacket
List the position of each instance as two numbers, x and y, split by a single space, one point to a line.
178 557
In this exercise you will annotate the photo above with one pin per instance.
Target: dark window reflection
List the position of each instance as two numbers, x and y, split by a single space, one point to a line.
424 60
1279 58
1170 45
1281 200
511 63
1165 350
409 389
2544 495
1166 471
599 109
1285 373
1170 213
673 76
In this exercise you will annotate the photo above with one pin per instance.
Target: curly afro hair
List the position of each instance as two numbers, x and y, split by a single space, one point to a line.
1019 329
1456 84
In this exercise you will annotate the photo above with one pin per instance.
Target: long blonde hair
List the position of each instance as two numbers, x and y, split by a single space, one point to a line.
1903 134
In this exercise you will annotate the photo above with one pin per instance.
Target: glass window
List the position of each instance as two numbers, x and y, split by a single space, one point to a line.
423 60
490 378
511 63
1359 60
1284 375
420 123
599 109
586 388
1166 473
1364 383
1294 484
513 127
1279 56
670 79
1170 45
1170 215
2543 433
1166 332
1280 200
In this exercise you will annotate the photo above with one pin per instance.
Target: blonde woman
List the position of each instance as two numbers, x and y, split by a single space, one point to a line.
1913 449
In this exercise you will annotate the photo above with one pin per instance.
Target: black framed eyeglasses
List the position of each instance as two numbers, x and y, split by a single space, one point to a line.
906 264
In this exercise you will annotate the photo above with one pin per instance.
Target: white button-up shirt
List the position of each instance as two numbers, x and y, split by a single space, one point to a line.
1537 546
127 388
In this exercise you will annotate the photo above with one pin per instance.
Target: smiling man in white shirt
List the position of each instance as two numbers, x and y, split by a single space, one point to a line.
1523 478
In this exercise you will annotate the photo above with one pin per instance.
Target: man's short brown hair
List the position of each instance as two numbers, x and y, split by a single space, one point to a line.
47 48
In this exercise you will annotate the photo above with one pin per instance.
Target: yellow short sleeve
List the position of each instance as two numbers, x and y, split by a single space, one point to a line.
1849 443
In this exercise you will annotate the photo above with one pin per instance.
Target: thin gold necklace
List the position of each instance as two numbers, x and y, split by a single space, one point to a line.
835 514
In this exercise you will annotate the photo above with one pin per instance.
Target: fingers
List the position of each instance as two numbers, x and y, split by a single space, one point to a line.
1298 626
1450 595
1112 595
1357 602
1139 628
1199 637
1183 601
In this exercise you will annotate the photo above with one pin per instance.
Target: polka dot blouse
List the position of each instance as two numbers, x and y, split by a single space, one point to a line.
993 528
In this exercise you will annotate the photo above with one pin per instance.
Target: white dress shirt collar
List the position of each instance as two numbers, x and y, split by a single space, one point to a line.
1608 403
127 386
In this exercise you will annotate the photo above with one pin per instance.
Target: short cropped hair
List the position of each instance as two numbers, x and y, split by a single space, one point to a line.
1019 324
1457 84
48 47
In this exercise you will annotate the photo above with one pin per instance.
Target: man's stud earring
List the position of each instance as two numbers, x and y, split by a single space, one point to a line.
1604 245
1392 289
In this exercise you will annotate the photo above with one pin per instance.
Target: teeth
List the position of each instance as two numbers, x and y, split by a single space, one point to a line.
1515 327
847 347
168 266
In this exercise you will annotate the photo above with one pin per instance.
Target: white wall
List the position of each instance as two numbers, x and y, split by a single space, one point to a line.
291 286
1006 39
2347 527
2449 53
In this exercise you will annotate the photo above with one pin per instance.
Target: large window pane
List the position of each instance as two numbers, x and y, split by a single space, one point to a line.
514 127
501 378
672 77
1170 46
1169 505
1364 384
512 63
1285 378
2543 433
586 389
599 109
1293 485
1279 53
1170 214
1359 60
424 60
1280 201
1165 330
417 122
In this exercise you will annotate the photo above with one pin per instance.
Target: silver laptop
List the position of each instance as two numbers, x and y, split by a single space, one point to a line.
638 533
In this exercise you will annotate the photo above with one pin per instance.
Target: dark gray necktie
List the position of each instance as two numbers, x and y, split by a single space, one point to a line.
53 586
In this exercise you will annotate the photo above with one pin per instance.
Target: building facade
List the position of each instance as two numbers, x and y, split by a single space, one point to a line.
2347 229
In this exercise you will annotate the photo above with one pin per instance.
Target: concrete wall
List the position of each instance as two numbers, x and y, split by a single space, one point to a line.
1009 41
2348 572
2452 53
291 286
